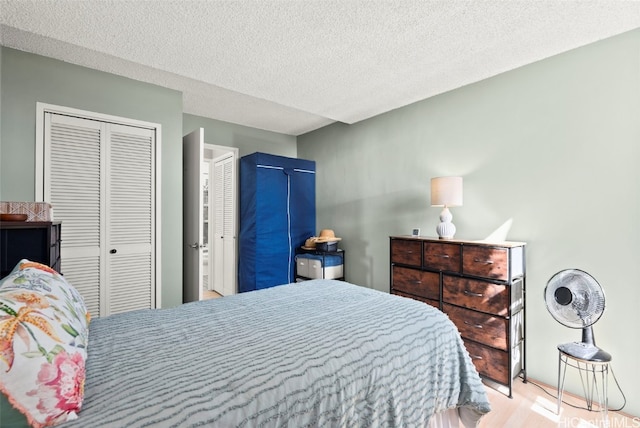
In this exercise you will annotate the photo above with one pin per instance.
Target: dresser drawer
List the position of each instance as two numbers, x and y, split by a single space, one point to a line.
444 257
489 362
434 303
486 262
416 282
488 329
406 252
476 294
480 285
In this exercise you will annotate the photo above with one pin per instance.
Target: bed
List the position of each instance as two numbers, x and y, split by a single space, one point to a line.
320 353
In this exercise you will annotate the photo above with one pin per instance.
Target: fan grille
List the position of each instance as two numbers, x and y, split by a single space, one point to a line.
574 298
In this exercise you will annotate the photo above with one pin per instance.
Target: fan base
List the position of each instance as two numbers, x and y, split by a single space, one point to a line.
585 351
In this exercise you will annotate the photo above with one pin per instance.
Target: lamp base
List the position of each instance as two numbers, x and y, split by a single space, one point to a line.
446 229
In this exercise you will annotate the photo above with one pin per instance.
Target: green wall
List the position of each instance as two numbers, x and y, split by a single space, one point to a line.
247 140
551 148
28 79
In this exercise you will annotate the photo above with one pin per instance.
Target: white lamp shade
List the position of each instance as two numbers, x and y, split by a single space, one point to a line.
446 191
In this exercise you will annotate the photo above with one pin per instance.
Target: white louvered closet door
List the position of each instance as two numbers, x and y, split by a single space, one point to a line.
224 236
99 177
130 229
74 160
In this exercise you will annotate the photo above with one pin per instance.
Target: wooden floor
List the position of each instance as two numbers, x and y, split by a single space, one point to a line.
531 406
206 294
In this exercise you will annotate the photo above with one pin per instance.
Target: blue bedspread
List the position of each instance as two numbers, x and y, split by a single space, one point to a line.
320 353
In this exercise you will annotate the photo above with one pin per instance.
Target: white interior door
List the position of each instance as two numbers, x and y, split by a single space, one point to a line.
224 239
192 157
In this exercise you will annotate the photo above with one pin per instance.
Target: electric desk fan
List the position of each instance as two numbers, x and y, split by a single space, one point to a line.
575 299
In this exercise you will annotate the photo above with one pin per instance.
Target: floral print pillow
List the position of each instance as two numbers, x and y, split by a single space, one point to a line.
44 327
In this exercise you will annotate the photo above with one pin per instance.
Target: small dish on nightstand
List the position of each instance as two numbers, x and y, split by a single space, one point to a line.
13 217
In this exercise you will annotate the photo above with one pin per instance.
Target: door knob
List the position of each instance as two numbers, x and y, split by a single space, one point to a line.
113 251
196 246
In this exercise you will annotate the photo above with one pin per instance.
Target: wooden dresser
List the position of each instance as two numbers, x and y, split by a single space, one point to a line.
38 241
480 286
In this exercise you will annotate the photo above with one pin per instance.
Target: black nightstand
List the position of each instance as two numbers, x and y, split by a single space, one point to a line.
38 241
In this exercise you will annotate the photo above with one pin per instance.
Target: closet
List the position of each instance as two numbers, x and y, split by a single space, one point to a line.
100 178
223 257
277 214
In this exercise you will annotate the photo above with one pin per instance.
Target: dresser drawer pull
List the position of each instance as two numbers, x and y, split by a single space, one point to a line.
444 256
416 281
408 252
473 325
476 357
486 262
470 293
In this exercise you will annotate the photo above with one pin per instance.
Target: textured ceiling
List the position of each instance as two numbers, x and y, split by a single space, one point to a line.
295 66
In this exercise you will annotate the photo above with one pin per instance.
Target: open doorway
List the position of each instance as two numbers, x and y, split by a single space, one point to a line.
210 218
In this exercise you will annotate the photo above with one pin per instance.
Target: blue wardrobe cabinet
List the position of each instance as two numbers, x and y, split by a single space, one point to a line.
277 214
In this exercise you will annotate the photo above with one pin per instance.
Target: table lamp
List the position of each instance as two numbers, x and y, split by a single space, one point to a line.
446 192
